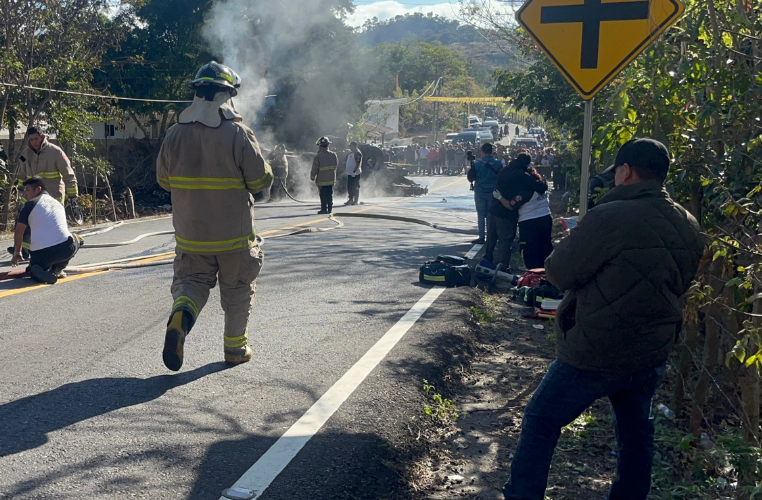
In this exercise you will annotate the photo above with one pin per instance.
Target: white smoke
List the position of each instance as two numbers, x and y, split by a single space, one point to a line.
255 37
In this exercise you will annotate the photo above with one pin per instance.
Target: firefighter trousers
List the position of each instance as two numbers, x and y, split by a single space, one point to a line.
195 275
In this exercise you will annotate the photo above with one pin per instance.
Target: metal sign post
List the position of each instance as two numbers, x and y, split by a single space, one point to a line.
587 139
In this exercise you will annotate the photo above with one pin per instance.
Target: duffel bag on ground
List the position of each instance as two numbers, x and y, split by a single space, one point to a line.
433 273
438 273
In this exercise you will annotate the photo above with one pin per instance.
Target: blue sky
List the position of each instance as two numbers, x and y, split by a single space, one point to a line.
385 9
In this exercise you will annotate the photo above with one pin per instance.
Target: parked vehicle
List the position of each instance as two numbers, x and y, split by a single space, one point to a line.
449 137
485 135
525 142
536 132
471 136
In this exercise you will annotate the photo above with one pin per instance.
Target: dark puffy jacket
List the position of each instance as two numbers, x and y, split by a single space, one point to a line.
626 268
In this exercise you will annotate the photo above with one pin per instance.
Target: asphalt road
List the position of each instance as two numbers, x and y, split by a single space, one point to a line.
88 411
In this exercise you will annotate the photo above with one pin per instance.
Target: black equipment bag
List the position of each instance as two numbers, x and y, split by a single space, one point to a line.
442 274
433 273
458 276
452 260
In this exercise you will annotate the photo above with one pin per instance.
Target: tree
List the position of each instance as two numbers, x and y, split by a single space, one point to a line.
55 45
157 58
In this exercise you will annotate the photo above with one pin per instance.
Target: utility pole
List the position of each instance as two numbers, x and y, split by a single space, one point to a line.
434 125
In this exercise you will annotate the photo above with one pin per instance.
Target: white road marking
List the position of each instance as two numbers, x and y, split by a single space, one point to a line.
266 469
472 253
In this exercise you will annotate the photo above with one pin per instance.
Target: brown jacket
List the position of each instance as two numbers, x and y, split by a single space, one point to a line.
324 168
212 174
53 166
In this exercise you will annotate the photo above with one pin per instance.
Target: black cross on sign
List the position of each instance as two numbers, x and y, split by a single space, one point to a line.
591 14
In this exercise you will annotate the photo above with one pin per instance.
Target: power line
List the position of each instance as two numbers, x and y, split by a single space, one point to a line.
110 97
99 96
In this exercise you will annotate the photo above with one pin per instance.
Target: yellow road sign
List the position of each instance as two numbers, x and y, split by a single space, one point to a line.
591 41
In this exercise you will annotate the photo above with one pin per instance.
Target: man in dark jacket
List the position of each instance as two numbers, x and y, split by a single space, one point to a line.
625 268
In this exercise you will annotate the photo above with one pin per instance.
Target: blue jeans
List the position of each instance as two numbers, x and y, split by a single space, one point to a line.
564 393
482 202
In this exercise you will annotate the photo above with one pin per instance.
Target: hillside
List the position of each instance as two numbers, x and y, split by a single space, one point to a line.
484 56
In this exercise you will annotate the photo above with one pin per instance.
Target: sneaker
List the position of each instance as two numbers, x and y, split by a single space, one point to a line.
238 356
323 212
60 274
478 241
42 276
348 202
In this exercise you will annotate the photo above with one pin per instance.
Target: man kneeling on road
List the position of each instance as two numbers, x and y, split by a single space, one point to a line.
52 245
625 268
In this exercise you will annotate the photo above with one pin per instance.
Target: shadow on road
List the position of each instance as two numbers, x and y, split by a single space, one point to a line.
26 422
335 465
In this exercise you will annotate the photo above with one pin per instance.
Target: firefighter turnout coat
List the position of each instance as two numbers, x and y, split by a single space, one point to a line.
212 174
53 166
324 168
279 164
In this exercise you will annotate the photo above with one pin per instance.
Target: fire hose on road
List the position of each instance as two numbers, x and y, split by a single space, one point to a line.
168 258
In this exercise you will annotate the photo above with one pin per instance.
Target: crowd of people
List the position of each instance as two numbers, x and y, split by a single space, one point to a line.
430 159
453 159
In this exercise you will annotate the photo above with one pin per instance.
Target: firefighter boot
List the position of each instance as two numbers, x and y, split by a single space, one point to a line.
180 323
237 349
242 355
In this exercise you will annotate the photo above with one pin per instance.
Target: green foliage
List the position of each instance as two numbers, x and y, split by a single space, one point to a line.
684 470
696 93
439 408
418 65
56 45
483 56
419 27
482 315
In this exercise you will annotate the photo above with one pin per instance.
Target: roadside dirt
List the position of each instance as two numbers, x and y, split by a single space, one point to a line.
471 456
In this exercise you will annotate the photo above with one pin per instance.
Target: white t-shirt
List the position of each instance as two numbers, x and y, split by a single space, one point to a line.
538 206
46 219
423 154
352 163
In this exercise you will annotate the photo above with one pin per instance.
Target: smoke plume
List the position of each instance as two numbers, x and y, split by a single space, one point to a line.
300 50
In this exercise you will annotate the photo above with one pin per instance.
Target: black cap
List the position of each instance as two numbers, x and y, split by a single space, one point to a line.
644 153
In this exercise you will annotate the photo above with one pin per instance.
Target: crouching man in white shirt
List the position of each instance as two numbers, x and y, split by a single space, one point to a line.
52 245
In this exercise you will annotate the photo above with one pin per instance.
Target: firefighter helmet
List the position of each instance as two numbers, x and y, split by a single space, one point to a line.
215 73
323 142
